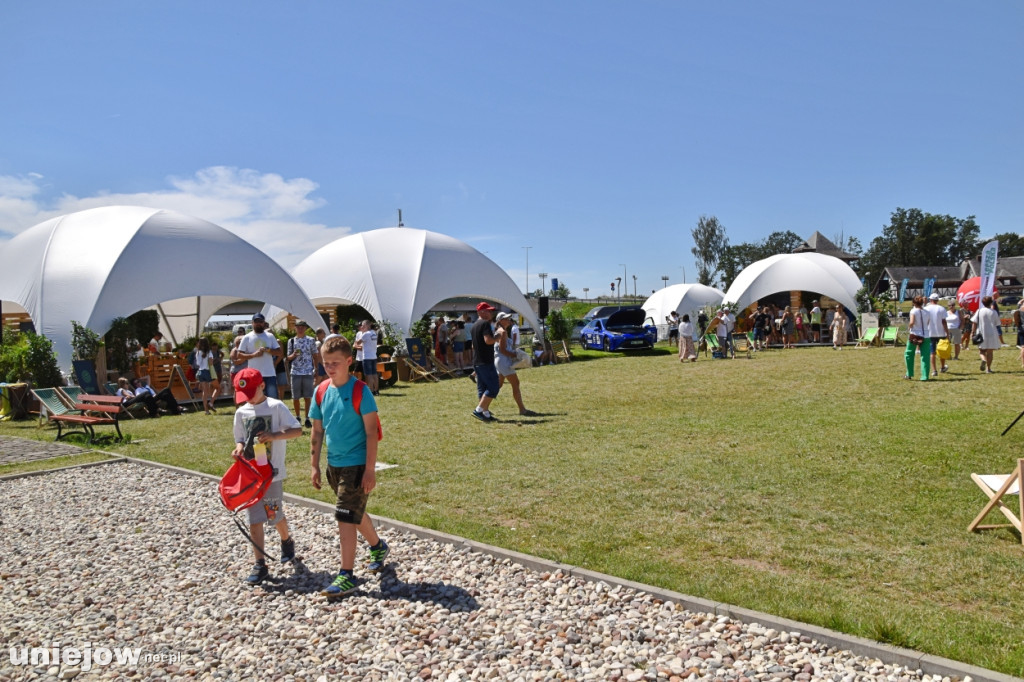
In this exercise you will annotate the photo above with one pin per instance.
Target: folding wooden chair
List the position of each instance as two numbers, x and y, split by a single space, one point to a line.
741 343
891 335
418 361
995 487
870 338
442 368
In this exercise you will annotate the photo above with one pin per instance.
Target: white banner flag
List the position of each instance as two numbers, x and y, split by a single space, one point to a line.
988 268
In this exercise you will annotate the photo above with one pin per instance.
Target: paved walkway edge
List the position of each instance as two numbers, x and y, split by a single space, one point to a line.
932 665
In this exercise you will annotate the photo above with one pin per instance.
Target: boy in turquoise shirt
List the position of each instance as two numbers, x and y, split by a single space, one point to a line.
351 460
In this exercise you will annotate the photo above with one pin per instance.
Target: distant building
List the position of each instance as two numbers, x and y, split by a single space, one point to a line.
1009 277
947 280
819 243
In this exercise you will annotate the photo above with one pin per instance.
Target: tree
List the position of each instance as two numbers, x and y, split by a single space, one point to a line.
1010 244
739 256
710 243
561 292
915 238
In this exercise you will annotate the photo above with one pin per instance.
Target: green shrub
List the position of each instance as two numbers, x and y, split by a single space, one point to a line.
29 357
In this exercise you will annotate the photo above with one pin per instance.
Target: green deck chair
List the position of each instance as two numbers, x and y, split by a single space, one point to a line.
870 338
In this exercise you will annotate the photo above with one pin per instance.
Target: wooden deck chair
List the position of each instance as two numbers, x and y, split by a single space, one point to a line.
891 335
418 361
441 368
85 375
870 338
50 403
711 343
741 343
996 487
111 387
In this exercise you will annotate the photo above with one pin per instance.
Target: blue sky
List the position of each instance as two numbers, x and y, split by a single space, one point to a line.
594 132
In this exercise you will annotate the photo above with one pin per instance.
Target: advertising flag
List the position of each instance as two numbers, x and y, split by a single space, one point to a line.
903 288
929 284
988 267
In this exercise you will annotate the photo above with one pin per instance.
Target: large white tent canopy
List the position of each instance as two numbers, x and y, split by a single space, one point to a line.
97 265
795 272
685 299
398 274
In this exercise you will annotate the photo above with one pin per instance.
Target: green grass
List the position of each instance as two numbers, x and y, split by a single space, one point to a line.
812 484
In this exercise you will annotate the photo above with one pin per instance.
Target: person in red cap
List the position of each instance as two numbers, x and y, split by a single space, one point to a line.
487 383
260 422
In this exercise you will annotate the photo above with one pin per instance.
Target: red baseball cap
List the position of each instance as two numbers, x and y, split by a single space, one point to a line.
246 382
484 305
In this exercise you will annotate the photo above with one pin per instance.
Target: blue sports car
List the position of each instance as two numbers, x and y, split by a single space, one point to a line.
622 330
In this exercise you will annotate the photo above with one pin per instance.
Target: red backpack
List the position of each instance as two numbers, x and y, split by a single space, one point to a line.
244 484
357 400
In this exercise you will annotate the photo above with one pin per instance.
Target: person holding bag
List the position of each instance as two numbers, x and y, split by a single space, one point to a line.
918 340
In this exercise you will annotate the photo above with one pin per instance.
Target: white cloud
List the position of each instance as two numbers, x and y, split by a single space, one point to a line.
265 209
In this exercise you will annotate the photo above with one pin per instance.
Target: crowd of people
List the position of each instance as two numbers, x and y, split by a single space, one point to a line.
939 333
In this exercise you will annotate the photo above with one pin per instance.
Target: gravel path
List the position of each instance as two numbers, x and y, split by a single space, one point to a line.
129 556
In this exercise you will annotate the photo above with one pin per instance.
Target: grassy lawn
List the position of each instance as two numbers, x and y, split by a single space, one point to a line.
813 484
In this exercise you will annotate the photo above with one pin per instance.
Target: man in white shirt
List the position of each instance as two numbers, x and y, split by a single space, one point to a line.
936 328
259 348
724 330
366 343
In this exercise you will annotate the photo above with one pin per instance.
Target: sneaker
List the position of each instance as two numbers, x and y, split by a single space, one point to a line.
481 416
935 372
342 585
308 424
259 573
944 370
982 366
287 550
377 556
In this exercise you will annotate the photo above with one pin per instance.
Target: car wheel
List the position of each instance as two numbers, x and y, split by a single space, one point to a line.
607 346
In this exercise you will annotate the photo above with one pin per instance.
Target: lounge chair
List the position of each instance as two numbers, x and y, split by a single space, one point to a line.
870 338
61 415
85 375
418 361
443 369
742 343
711 344
996 487
891 335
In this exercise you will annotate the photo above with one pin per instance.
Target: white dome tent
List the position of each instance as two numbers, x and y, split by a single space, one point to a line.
398 274
685 299
795 272
103 263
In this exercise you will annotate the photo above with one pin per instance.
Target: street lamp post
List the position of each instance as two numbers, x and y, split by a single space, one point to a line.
619 280
586 290
624 278
664 278
683 268
527 269
634 286
543 278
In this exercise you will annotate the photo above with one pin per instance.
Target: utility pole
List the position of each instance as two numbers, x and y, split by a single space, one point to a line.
543 278
527 269
664 279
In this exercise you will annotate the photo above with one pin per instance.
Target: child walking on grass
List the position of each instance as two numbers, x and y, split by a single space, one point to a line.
350 424
261 421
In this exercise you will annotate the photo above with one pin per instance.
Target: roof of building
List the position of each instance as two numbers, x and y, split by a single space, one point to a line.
941 273
819 243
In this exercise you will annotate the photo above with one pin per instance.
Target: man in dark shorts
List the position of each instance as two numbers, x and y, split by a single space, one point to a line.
487 383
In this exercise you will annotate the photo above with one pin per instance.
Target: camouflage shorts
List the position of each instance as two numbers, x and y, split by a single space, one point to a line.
347 484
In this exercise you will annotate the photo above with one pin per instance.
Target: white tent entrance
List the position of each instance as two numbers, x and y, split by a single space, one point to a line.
97 265
398 274
795 272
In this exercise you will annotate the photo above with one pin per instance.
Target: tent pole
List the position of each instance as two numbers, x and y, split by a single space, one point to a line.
170 330
198 302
